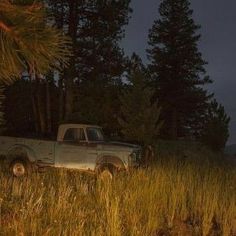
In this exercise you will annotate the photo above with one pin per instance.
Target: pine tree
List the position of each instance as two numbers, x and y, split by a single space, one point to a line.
215 132
26 42
96 28
139 119
177 68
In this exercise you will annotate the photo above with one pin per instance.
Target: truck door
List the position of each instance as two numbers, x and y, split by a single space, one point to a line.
72 151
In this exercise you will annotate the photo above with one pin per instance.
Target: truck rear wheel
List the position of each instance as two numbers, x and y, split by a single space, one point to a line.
19 168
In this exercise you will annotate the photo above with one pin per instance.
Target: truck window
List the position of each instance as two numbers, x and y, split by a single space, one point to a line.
95 134
81 135
74 135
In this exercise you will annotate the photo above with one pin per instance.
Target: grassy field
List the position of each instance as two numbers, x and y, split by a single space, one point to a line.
184 193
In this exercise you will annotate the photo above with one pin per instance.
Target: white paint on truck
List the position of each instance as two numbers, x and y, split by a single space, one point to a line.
77 146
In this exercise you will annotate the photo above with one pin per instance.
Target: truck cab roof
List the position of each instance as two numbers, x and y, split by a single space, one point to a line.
73 125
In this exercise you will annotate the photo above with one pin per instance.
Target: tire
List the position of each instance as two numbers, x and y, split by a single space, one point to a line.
20 168
106 172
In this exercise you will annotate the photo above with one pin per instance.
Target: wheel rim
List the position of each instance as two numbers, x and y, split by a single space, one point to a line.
106 175
18 169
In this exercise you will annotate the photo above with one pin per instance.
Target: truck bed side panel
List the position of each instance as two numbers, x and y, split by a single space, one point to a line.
43 150
7 142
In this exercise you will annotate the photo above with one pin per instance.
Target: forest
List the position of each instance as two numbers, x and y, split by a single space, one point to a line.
62 62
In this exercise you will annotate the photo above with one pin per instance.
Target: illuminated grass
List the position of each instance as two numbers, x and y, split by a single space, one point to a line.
179 195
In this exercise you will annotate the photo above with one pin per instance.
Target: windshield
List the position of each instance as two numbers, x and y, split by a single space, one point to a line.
95 134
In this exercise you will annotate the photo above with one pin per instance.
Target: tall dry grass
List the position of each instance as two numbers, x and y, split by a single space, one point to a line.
185 193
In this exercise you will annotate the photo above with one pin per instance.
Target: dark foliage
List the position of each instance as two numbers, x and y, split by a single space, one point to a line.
96 27
139 118
216 129
26 108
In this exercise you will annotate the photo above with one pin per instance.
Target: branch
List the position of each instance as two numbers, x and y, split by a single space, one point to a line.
9 30
4 27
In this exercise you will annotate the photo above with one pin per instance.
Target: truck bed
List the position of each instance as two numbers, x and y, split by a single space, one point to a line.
44 150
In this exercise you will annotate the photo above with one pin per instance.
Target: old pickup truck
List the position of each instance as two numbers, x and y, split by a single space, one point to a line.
78 146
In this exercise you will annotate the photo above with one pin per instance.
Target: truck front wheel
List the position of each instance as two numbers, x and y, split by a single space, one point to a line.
106 172
19 168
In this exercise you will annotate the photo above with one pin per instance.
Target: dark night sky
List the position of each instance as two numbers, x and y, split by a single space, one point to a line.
218 44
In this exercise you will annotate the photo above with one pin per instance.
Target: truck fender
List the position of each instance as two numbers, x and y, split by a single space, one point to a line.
21 151
110 160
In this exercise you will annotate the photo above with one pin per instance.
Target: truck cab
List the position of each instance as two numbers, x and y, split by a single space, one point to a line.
84 147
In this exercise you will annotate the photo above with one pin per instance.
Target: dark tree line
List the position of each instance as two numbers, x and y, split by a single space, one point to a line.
96 28
165 99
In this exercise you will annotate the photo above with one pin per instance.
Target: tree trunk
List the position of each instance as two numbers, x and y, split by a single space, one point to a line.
2 113
61 100
69 97
35 111
174 125
48 108
41 109
71 71
33 88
